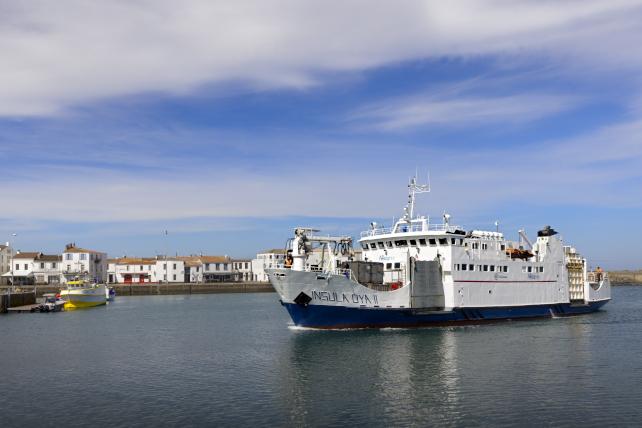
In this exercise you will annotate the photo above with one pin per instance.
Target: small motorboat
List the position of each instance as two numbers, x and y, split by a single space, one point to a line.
52 303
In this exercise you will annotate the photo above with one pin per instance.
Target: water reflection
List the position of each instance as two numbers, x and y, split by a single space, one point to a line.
379 374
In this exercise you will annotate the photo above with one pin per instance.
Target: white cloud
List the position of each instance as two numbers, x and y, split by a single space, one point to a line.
57 55
417 111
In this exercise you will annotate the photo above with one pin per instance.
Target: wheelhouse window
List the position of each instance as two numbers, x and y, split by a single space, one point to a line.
505 268
401 243
364 246
432 241
380 245
453 241
389 244
373 246
422 242
397 265
492 268
541 268
388 265
456 266
464 267
471 267
443 241
485 268
413 242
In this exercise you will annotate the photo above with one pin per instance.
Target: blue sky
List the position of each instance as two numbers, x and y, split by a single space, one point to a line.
228 124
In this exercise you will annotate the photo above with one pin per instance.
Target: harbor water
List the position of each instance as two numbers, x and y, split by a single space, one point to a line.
232 360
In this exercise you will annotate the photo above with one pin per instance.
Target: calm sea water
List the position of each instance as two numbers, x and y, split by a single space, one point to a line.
231 360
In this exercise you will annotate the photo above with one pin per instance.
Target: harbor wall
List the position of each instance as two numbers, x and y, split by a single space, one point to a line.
16 299
173 288
626 277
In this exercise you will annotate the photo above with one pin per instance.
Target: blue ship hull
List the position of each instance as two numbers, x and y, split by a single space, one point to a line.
337 317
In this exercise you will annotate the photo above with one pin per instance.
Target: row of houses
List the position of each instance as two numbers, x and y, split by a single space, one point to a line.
28 268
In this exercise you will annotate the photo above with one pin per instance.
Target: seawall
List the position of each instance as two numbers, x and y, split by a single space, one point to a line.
173 288
626 277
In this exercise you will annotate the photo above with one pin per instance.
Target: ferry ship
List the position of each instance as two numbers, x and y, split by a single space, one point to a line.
418 273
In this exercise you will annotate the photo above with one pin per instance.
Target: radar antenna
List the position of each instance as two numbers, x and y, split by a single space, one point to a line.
413 190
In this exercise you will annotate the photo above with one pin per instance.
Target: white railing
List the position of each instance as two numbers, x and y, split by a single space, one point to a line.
596 277
409 228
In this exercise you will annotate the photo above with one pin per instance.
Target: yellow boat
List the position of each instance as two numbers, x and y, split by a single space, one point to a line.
83 294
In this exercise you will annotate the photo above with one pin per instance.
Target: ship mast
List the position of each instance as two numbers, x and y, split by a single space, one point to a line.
413 190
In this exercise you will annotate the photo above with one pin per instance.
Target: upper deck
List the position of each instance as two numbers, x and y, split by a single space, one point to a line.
421 225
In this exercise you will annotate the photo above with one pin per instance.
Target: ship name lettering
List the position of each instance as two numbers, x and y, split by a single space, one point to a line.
333 296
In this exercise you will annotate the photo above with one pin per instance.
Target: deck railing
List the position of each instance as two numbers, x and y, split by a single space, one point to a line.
596 277
409 228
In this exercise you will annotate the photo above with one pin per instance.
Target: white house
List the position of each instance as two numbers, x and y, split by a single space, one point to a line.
141 270
267 260
81 262
217 269
242 269
6 253
35 268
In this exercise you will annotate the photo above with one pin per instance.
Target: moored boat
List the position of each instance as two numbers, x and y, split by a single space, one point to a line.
83 294
418 273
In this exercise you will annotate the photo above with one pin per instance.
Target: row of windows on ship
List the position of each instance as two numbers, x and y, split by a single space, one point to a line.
423 242
495 268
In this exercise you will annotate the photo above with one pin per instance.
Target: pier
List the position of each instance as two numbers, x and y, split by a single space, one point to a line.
15 299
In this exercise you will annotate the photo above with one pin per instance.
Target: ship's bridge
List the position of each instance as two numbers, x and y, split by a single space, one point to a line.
420 225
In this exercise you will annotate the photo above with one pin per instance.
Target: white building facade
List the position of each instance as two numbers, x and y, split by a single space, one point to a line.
266 260
243 270
31 268
83 263
6 253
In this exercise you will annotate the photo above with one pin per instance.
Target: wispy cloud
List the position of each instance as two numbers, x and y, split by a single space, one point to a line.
63 54
459 111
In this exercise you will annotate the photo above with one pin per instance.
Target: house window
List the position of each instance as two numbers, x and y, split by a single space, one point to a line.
541 268
53 265
503 247
165 267
492 268
464 267
174 268
225 266
127 268
68 256
218 266
247 265
475 245
42 265
83 257
174 277
26 266
207 266
456 266
17 266
461 242
484 246
471 267
530 269
422 242
141 267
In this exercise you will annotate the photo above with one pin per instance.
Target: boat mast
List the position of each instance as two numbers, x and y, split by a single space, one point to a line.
413 190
